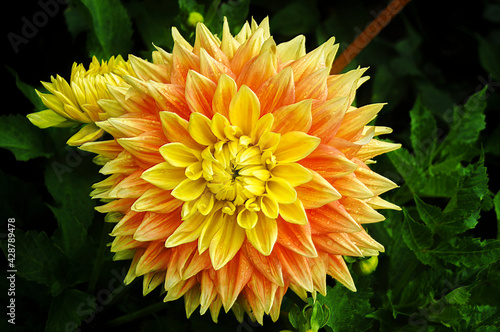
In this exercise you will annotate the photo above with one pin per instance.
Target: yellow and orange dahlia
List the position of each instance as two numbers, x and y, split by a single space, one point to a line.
75 103
238 169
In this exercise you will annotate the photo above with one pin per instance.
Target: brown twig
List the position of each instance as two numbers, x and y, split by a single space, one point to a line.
367 35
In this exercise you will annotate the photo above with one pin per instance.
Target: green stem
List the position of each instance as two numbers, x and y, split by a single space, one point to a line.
94 277
212 10
137 314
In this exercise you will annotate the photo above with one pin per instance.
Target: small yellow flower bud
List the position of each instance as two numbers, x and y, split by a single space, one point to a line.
366 266
194 18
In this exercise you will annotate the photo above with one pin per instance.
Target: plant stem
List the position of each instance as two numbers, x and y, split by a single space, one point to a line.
137 314
106 228
367 35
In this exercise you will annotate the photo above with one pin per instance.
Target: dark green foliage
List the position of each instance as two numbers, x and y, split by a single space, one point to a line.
437 69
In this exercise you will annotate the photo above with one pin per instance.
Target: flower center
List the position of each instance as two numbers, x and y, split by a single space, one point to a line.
236 172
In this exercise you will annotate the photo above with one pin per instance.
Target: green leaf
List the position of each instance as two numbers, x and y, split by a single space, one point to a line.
466 122
236 13
417 236
459 295
68 310
406 165
423 133
112 26
348 310
28 91
11 189
489 53
496 201
287 23
154 21
431 215
39 260
73 207
23 139
465 205
467 252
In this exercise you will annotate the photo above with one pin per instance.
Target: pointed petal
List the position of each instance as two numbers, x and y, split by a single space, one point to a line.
188 231
169 97
247 51
153 259
360 211
207 41
148 71
88 133
128 224
200 129
296 238
192 300
175 129
294 146
229 45
354 121
338 269
295 267
293 49
294 174
49 118
295 117
313 86
379 203
156 200
332 218
164 175
144 148
211 68
244 109
375 148
179 155
276 92
263 236
327 116
151 281
109 149
293 213
258 70
280 191
157 226
263 289
226 243
223 95
329 162
336 244
365 241
231 278
268 266
183 60
199 93
316 192
375 182
179 289
350 186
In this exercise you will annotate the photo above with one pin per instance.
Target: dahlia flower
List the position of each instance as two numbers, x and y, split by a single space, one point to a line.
77 102
237 170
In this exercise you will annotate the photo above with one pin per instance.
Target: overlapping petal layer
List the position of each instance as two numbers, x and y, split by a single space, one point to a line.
237 170
77 102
